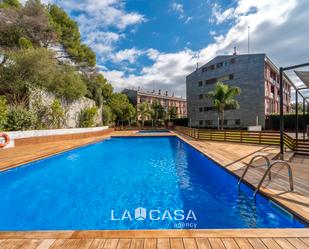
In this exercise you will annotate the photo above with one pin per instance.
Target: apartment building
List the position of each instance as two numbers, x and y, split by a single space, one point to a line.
167 101
255 74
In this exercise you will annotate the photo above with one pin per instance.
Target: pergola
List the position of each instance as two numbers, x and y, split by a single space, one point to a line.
304 77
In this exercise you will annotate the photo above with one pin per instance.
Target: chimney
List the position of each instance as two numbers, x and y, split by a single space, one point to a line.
235 51
159 91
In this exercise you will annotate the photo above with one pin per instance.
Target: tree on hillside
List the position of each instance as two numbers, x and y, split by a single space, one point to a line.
98 88
30 69
26 70
70 38
223 98
121 107
10 3
144 112
30 22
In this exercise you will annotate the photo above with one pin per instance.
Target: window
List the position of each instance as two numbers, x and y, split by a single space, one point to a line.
211 81
224 78
201 109
201 96
237 121
204 69
208 122
201 122
209 108
212 67
225 122
231 76
200 83
219 64
232 61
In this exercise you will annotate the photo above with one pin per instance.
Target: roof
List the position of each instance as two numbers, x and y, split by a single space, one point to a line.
303 76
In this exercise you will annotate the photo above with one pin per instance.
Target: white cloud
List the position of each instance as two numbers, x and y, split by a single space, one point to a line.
178 8
189 18
103 13
129 55
220 16
276 27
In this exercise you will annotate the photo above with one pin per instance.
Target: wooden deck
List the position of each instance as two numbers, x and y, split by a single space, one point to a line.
158 243
232 156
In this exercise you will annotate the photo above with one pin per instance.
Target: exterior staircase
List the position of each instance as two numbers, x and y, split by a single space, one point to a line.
302 147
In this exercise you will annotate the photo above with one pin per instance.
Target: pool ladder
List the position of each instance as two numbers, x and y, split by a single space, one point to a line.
267 172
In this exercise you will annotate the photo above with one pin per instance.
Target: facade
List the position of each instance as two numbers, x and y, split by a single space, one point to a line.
167 101
258 79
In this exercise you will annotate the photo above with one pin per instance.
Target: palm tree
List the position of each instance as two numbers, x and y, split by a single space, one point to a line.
223 97
143 112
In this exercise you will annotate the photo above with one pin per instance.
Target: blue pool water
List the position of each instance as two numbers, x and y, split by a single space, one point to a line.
153 131
92 187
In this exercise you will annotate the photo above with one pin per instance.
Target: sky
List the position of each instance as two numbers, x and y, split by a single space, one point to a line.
154 44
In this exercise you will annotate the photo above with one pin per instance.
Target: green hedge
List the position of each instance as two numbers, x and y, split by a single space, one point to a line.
272 122
180 121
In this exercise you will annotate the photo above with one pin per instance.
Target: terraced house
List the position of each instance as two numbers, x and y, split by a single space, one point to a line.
167 101
255 74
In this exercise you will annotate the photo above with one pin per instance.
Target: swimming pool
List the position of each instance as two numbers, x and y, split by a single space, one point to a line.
153 131
132 183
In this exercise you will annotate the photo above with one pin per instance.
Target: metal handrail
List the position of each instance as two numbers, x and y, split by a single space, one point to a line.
268 170
250 165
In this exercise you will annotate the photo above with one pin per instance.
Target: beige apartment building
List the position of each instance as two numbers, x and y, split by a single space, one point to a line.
167 101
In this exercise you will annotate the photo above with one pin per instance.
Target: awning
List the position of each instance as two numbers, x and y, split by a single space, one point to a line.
303 76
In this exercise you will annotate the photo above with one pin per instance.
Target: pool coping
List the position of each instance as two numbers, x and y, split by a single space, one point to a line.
186 233
172 233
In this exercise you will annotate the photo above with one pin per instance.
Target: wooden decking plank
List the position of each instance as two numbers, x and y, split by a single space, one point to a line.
270 243
12 243
97 244
284 243
257 243
111 243
176 243
59 243
137 244
124 244
150 244
84 244
243 243
216 243
31 244
305 240
297 243
203 243
230 243
163 244
46 244
189 243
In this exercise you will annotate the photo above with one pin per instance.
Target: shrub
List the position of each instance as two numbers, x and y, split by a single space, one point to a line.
272 121
3 112
180 121
20 118
87 117
57 115
107 115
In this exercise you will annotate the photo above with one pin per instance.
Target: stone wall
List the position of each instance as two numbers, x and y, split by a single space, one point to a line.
72 108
